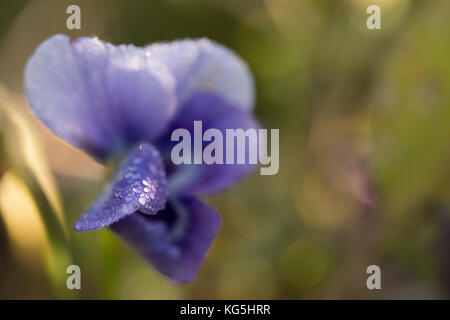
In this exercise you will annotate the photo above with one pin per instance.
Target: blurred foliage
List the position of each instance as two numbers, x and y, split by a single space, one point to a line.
364 119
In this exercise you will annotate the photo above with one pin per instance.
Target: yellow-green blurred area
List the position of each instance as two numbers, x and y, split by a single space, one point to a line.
364 119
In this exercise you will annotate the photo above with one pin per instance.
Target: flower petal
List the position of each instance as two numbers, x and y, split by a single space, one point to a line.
205 66
216 113
138 185
99 97
175 241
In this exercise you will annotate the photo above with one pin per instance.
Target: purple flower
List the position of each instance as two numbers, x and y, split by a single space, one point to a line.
112 101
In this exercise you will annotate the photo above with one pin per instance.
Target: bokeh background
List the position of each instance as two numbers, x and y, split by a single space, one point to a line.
364 119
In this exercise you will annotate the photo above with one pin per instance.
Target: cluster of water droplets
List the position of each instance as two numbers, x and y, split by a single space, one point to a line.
139 184
141 181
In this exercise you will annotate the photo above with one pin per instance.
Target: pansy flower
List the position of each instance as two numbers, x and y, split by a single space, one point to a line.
123 102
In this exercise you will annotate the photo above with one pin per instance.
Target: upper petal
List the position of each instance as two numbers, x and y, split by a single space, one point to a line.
99 97
138 185
175 241
205 66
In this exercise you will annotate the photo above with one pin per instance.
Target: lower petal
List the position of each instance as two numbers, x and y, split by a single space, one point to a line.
175 241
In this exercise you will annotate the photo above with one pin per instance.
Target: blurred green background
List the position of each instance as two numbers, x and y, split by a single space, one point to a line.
364 119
